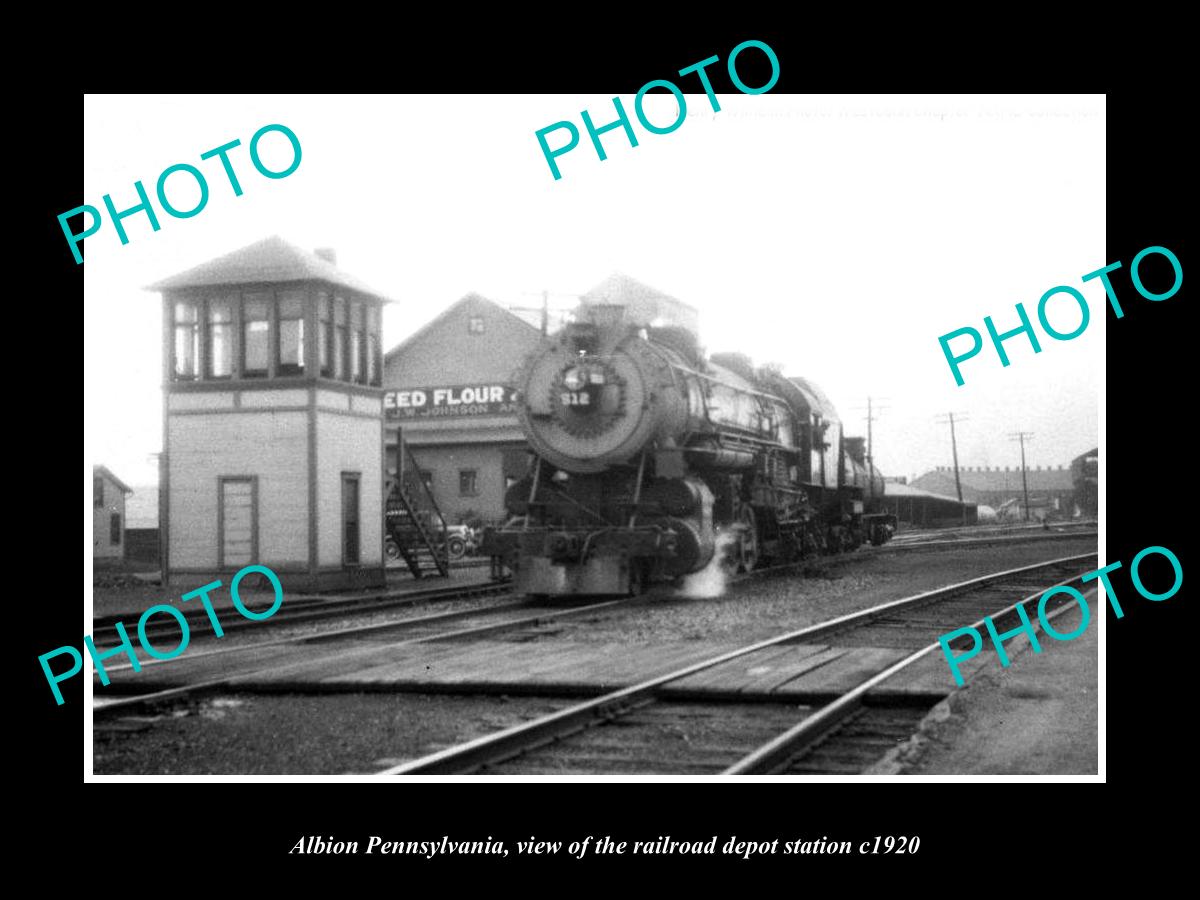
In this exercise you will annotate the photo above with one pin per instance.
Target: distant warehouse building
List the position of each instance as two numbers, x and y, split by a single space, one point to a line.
1051 490
108 514
449 394
926 509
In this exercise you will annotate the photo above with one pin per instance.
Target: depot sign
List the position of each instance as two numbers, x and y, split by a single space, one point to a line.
457 400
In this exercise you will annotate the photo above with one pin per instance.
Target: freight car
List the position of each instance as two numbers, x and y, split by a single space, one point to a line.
650 461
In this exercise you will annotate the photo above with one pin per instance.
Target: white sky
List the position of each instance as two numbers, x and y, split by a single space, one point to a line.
840 236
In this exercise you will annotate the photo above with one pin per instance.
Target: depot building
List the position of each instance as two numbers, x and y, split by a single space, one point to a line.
272 421
448 389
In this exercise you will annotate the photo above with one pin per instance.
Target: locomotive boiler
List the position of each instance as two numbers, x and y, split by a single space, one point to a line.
651 461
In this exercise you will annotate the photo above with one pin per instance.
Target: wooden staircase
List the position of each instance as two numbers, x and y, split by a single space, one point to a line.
413 519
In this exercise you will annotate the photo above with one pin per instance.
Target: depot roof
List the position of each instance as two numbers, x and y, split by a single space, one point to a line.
993 479
270 260
107 473
895 489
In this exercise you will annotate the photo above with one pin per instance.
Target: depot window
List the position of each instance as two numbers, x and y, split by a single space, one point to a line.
220 338
268 334
375 348
291 333
339 338
324 333
187 340
256 331
357 344
467 482
475 325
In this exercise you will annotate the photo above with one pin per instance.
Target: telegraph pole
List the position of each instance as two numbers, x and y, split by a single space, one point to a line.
872 414
954 449
1020 436
543 310
870 455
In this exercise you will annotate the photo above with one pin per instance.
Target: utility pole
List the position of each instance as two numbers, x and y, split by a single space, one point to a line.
543 309
954 449
1020 436
870 456
872 414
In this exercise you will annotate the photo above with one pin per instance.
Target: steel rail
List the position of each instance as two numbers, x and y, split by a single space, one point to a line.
472 755
999 540
985 529
234 679
777 753
347 631
317 608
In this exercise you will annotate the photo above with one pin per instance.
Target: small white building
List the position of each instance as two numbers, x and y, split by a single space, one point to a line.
272 421
108 514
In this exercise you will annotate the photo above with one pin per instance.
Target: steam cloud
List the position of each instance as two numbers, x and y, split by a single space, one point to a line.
711 581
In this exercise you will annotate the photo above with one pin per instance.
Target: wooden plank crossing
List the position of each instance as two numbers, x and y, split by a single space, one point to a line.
850 669
507 662
782 672
804 659
762 669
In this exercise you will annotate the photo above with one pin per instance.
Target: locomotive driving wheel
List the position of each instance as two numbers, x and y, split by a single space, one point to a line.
747 551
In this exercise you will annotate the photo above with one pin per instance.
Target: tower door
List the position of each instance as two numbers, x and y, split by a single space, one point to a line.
351 543
239 522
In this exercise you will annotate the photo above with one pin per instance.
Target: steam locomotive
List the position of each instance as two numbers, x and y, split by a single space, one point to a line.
652 462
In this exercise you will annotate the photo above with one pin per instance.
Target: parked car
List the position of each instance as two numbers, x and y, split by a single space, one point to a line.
460 541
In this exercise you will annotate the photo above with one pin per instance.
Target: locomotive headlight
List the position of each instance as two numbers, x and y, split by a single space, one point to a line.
578 377
574 379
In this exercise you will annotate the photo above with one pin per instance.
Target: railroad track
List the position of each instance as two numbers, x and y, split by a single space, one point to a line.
994 530
936 543
295 610
368 640
677 724
312 609
476 622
